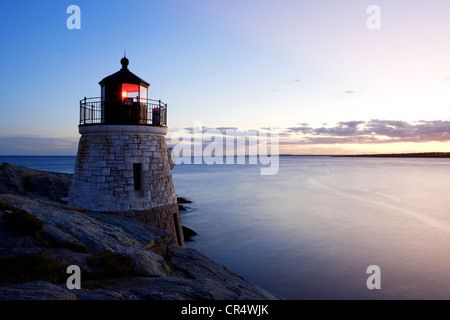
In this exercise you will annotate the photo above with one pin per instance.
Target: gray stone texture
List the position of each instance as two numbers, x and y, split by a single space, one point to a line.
103 179
160 271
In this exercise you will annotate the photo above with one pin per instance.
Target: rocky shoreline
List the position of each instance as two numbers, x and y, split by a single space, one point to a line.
119 258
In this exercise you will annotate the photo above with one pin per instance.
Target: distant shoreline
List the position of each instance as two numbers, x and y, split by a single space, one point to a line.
374 155
381 155
403 155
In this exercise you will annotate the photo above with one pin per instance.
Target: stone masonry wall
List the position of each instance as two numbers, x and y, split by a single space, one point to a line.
166 218
103 177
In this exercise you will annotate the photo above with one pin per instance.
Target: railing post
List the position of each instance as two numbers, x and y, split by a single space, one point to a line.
92 113
84 111
159 113
165 115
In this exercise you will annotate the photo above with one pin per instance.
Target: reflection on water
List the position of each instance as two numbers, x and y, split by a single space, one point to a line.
311 231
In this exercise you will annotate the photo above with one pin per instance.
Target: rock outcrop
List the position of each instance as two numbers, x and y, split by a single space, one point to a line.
119 258
34 183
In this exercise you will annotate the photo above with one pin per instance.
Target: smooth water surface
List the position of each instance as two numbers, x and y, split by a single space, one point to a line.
311 230
63 164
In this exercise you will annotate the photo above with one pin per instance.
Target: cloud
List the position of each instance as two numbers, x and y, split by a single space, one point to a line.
34 145
342 129
345 93
331 140
303 128
373 131
224 129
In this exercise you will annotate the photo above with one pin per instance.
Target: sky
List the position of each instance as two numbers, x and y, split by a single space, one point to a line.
316 72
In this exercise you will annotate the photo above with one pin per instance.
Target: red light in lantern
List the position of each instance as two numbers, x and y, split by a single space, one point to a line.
124 95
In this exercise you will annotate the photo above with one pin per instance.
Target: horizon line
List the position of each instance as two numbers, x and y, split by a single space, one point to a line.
424 154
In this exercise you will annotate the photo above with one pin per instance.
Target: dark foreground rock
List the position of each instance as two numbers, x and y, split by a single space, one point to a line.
34 183
119 258
195 277
36 290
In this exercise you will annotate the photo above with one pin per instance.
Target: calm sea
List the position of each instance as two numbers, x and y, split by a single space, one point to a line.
311 230
64 164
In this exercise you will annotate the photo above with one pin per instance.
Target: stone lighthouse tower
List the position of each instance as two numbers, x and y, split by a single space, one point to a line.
122 165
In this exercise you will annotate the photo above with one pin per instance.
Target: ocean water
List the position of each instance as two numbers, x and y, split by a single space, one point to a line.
312 230
63 164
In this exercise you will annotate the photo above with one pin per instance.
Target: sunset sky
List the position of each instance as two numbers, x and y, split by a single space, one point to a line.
310 70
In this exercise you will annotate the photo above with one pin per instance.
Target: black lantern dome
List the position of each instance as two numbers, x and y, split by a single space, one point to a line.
123 76
124 101
124 62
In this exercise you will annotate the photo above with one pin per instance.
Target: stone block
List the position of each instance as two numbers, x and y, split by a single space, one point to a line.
104 172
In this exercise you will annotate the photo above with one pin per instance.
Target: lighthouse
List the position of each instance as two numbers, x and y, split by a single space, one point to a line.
122 165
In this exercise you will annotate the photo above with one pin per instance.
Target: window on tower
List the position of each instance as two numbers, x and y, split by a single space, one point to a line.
137 176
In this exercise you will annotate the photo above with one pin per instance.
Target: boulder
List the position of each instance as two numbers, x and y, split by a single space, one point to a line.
119 258
88 232
34 183
34 290
195 277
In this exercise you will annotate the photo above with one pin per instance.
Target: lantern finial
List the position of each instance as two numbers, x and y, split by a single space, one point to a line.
124 61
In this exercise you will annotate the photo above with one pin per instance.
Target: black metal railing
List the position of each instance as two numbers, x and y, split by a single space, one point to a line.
91 111
128 111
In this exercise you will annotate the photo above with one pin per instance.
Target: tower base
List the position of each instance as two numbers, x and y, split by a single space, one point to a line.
125 170
165 217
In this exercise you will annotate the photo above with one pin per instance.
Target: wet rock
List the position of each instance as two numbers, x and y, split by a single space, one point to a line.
188 233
